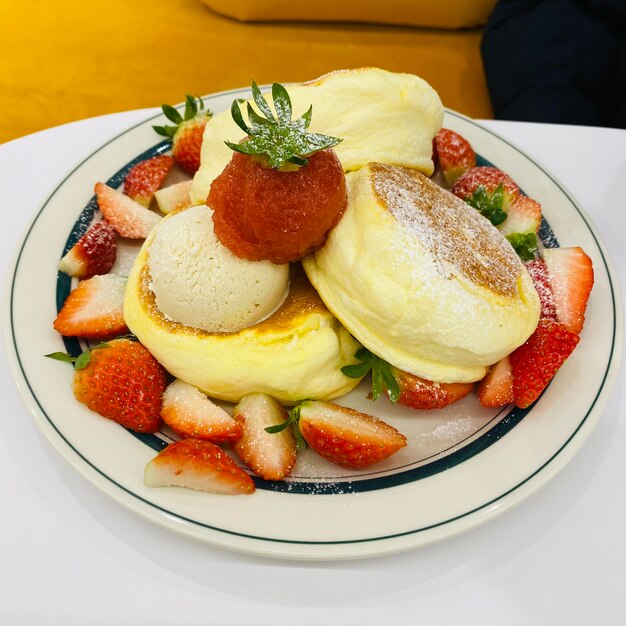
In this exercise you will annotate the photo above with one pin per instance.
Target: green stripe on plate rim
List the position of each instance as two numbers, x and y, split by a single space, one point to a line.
508 422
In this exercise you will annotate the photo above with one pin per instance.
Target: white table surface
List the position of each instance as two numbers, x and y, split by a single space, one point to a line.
71 555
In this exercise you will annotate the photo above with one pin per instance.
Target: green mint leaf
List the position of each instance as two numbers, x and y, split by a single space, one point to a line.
261 102
282 102
525 244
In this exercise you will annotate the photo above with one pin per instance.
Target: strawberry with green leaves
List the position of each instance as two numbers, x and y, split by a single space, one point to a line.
284 188
187 132
489 190
121 381
402 387
342 435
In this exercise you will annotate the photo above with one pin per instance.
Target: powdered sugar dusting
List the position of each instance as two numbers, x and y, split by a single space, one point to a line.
455 235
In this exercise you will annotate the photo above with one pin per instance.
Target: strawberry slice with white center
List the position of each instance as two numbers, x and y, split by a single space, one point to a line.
197 464
453 154
539 273
94 253
95 309
271 456
143 180
535 362
174 197
571 276
496 388
347 437
128 218
191 414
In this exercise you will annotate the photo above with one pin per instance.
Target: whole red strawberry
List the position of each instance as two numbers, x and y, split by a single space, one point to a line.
187 133
124 382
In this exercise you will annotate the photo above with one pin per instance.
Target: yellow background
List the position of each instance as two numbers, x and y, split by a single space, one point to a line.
71 59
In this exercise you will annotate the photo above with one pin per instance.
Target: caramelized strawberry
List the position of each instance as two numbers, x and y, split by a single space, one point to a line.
95 309
94 253
145 178
197 464
262 213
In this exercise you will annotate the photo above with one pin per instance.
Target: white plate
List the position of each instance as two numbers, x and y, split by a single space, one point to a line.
464 465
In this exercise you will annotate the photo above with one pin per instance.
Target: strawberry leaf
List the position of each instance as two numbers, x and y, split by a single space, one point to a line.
489 205
525 244
382 374
172 114
277 138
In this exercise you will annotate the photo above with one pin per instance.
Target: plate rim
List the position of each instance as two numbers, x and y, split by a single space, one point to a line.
530 484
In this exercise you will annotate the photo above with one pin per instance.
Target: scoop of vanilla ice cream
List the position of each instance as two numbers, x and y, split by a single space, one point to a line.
200 283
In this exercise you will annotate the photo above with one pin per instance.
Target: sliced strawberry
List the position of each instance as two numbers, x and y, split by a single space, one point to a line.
419 393
489 190
174 197
94 253
95 309
347 437
523 216
191 414
197 464
496 389
571 276
128 218
146 177
535 363
271 456
539 273
453 154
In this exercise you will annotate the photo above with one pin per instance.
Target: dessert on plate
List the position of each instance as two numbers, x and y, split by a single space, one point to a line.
315 247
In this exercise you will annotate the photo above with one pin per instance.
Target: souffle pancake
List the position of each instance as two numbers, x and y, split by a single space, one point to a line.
296 352
379 115
421 279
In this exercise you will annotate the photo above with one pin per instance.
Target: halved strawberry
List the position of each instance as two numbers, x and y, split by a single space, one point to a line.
571 276
121 381
94 253
347 437
128 218
95 309
521 226
539 273
187 133
173 197
197 464
489 190
146 177
496 388
271 456
191 414
453 154
419 393
535 362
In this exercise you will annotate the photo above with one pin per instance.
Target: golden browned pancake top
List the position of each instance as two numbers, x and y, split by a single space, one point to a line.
452 232
301 301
